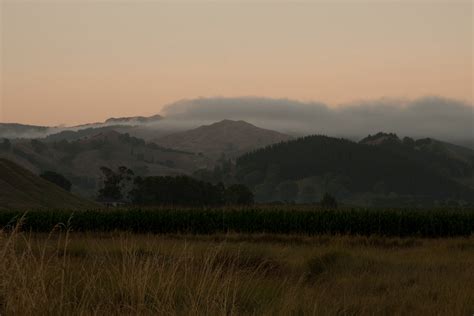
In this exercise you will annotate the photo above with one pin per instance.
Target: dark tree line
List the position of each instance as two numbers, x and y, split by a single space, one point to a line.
122 185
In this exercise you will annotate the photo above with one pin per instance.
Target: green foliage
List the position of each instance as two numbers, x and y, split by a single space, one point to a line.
277 220
57 179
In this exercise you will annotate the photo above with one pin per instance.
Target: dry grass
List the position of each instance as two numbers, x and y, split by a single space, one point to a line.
118 273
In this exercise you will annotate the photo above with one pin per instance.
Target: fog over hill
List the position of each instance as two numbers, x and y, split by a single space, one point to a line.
16 130
436 117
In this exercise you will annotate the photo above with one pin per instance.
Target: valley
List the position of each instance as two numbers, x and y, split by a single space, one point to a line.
379 170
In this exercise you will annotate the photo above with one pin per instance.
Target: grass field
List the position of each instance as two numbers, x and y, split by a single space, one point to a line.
64 273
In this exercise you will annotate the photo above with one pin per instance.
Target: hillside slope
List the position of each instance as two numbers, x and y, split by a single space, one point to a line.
231 138
305 168
80 159
21 189
451 160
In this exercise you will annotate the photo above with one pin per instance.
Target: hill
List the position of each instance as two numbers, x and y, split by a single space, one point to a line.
14 130
426 145
79 159
136 125
21 189
381 171
227 137
448 159
70 135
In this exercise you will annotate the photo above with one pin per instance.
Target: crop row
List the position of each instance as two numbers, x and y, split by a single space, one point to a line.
423 223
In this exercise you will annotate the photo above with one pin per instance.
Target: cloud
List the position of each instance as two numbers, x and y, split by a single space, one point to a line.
436 117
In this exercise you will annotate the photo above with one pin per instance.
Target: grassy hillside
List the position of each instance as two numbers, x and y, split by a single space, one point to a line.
80 159
231 138
21 189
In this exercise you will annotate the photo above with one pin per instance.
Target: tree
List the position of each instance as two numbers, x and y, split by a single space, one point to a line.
380 188
328 201
273 174
187 191
307 194
116 184
38 146
238 194
287 191
57 179
264 192
408 141
180 190
6 144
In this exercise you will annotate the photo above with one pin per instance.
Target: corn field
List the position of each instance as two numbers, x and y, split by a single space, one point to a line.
271 220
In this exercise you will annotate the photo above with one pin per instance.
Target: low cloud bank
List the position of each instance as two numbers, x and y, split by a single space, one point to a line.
435 117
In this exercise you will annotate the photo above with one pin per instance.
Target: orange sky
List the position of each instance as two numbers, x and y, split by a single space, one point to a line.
73 62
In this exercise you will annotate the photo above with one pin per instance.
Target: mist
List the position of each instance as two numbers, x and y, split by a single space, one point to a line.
436 117
15 130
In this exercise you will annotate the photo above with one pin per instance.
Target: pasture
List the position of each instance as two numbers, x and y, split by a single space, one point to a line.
263 261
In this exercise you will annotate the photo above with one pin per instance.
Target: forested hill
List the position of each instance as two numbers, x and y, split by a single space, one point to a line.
455 161
301 170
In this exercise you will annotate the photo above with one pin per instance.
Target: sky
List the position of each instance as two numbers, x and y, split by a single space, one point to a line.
71 62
